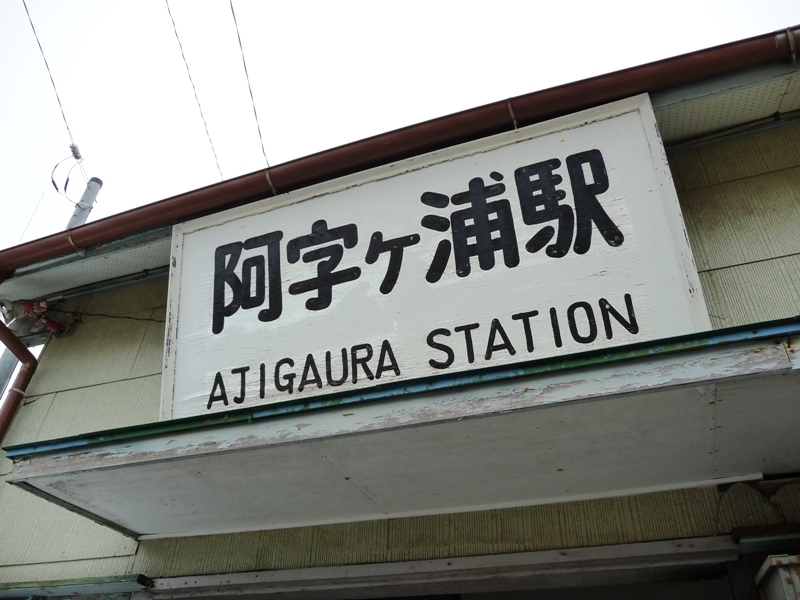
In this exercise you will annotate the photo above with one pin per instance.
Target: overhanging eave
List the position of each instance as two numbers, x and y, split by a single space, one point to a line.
676 416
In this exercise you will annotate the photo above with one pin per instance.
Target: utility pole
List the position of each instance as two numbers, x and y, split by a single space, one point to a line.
84 206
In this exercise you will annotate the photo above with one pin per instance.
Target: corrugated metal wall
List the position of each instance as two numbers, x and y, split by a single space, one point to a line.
741 201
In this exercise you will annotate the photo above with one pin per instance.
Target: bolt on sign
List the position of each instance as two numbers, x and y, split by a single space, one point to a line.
553 239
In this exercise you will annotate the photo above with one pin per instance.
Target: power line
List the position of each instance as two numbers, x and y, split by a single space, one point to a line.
30 220
72 141
252 99
72 146
194 89
77 315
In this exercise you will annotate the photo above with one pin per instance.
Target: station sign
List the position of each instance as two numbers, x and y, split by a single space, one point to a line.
549 240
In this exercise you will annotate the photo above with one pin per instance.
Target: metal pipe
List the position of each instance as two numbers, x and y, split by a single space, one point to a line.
8 363
17 390
86 203
411 141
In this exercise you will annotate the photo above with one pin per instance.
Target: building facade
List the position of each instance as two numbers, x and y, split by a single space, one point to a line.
666 466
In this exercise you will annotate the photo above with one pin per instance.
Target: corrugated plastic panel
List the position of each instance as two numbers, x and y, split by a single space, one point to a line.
362 542
743 506
645 517
74 569
754 292
744 221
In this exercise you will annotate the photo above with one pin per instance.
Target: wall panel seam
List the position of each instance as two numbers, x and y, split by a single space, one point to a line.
689 190
104 383
750 262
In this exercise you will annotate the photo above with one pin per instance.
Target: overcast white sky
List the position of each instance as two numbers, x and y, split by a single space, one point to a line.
323 74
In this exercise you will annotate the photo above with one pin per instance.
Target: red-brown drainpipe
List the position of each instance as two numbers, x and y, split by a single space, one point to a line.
17 390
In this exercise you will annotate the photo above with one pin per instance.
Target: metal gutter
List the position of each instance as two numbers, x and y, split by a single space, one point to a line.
122 244
411 141
722 337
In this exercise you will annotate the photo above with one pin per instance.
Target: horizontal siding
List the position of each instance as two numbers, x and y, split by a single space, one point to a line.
105 374
83 410
100 407
740 199
744 221
127 343
27 424
736 158
753 292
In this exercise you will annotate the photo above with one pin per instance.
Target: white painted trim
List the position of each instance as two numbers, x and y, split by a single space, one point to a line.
622 493
171 328
680 236
63 475
705 366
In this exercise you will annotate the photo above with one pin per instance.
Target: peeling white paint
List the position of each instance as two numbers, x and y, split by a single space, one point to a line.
644 425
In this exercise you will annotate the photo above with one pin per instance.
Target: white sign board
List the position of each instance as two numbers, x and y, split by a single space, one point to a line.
558 238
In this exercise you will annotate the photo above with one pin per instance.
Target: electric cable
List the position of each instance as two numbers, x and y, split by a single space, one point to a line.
24 231
53 172
53 178
76 314
249 87
194 89
72 145
70 200
83 173
69 132
66 183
